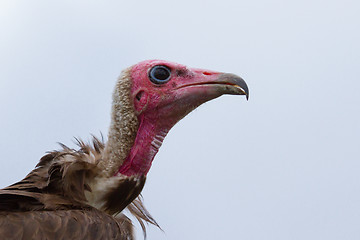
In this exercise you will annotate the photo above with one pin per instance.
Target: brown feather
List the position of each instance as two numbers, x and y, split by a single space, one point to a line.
64 224
51 199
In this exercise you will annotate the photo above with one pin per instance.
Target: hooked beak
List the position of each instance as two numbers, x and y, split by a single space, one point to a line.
236 83
221 83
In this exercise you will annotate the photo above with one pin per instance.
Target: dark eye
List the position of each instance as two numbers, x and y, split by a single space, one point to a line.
160 74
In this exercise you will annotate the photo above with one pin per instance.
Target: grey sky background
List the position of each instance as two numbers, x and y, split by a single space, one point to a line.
284 165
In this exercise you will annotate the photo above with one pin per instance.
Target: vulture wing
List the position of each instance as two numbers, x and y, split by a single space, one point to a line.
64 224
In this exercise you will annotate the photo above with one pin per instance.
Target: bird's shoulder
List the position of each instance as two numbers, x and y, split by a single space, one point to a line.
59 181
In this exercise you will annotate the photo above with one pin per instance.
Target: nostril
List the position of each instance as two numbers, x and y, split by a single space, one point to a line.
207 73
139 95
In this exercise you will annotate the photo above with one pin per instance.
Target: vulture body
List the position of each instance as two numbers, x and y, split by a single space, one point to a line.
81 194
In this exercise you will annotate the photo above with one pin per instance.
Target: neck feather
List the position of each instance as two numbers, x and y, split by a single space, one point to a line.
123 127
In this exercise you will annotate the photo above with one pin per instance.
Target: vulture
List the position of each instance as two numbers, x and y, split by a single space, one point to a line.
83 193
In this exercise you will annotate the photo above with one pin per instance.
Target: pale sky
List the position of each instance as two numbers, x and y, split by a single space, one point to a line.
284 165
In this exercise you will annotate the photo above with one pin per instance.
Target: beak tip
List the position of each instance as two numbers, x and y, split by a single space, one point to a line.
237 81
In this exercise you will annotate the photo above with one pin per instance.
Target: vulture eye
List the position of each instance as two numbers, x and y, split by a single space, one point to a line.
160 74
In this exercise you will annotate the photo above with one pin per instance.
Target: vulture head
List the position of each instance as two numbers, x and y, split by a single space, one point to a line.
149 99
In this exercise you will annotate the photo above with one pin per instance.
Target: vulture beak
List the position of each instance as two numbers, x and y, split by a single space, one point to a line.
213 83
235 84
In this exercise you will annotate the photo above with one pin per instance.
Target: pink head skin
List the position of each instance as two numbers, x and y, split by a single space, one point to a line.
160 105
